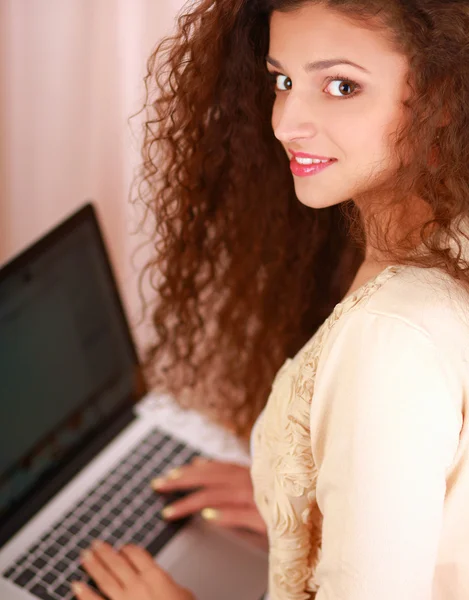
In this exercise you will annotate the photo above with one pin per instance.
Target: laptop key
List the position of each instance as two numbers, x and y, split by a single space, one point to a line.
74 529
24 577
49 578
9 572
22 560
39 563
84 544
62 590
45 538
51 551
138 537
72 555
141 488
62 540
97 506
61 566
85 518
73 577
40 592
118 533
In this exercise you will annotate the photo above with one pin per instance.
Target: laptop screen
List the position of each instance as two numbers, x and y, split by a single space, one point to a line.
67 362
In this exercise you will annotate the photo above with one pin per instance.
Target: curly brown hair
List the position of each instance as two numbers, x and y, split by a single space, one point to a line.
243 273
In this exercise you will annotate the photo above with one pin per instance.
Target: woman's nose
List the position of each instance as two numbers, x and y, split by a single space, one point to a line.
293 119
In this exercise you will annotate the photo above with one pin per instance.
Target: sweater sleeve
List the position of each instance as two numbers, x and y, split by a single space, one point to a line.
385 424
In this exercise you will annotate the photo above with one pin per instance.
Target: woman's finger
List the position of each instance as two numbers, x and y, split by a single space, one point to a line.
83 592
214 497
202 474
246 518
104 579
200 460
141 560
160 585
114 562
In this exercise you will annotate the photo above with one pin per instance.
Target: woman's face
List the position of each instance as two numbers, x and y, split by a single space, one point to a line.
327 108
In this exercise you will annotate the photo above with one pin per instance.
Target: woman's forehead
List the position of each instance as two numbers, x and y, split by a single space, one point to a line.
314 32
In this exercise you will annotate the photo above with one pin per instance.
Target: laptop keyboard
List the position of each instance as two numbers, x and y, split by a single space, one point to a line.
121 509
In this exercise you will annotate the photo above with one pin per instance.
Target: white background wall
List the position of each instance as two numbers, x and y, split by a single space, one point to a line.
71 74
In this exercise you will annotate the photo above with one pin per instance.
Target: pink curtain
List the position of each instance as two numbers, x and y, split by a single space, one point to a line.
71 74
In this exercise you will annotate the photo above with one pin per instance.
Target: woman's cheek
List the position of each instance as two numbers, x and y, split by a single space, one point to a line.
277 112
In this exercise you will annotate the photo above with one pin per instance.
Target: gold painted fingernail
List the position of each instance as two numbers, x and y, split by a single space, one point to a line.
77 587
210 514
174 473
167 512
157 483
86 555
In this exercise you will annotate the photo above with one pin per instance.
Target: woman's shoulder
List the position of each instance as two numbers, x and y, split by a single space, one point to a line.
426 299
413 322
399 309
401 305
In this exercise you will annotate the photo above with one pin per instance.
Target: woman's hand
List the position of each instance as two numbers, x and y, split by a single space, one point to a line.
130 574
223 494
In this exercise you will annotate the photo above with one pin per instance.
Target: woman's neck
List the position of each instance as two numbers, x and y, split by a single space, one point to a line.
367 270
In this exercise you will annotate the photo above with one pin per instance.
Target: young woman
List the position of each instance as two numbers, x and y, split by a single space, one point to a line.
361 456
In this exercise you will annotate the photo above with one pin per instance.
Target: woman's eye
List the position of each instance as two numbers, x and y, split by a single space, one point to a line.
283 83
342 88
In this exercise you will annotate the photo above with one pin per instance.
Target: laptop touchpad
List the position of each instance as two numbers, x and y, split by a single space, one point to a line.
215 565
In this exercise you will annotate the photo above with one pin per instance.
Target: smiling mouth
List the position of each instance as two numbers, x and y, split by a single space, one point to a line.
305 166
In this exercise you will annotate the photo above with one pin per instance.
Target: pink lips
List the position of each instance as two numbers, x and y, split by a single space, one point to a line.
312 169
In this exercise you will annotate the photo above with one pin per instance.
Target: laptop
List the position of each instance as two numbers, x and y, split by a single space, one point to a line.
76 453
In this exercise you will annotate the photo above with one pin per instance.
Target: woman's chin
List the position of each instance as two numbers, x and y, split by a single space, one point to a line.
316 200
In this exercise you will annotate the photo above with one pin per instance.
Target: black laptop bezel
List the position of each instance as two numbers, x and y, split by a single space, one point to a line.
40 495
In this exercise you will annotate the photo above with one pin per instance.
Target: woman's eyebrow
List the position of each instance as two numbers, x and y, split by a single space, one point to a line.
318 65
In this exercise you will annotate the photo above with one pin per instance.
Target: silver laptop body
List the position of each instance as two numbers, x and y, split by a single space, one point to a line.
81 438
